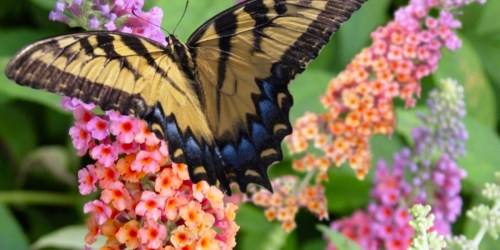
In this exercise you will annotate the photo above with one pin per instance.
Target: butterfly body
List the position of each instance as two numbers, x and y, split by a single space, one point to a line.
220 100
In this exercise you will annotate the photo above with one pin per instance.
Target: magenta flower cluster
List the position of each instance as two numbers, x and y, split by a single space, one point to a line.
113 15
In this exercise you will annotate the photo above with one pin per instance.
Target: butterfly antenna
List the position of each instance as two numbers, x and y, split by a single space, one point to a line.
183 13
144 20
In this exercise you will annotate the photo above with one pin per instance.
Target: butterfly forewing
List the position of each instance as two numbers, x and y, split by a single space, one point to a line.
246 56
97 67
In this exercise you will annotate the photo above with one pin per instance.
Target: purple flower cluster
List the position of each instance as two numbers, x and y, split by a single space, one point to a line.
447 128
415 177
113 15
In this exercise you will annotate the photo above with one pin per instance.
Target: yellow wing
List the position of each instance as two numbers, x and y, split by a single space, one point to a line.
245 58
123 72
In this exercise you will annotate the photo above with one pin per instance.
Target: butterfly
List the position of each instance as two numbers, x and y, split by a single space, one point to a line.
221 100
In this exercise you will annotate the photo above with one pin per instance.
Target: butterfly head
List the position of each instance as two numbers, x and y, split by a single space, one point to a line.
179 50
175 44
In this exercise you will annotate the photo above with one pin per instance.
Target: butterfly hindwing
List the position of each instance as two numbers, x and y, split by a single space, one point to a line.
245 58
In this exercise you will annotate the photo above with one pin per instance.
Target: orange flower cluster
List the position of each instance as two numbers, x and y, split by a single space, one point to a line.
286 200
360 99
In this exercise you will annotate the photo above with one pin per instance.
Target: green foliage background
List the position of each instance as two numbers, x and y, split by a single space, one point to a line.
39 202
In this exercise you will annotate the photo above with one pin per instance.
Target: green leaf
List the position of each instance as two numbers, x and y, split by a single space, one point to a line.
11 233
40 198
13 40
407 120
17 133
482 159
354 35
345 192
4 98
317 243
341 242
70 237
56 125
307 90
383 147
44 4
256 232
487 46
13 91
488 22
465 66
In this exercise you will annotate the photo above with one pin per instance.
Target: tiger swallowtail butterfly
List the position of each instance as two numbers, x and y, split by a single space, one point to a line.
220 100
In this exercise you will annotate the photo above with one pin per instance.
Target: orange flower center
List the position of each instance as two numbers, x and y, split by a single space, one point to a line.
132 233
83 134
89 180
126 146
192 216
86 117
117 193
204 242
146 160
182 237
153 233
126 126
106 151
109 174
150 204
100 125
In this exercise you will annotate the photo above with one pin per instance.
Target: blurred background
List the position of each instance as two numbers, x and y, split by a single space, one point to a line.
40 206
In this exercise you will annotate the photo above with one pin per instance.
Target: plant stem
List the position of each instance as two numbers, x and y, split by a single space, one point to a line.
303 184
480 234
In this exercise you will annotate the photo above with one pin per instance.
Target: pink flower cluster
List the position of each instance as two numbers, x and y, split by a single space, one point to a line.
113 15
384 225
286 200
360 99
145 200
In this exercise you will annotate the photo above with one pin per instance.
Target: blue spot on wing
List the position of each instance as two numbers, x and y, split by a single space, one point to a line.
229 154
260 135
246 152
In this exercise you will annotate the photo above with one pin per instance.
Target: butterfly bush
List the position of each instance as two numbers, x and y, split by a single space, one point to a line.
360 105
144 200
426 173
